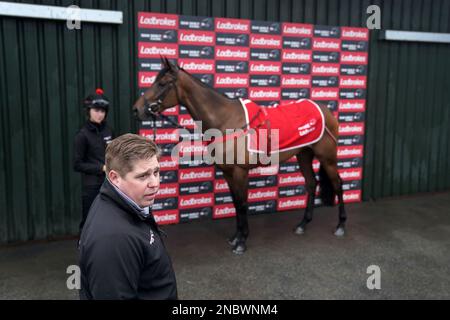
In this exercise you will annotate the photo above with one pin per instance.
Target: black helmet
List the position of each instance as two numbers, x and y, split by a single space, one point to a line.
97 100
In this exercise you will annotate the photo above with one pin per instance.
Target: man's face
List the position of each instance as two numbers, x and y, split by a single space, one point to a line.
141 184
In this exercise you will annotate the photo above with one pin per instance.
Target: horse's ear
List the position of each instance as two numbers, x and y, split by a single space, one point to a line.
172 66
165 62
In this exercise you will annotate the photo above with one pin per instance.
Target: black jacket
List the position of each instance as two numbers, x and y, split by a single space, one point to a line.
89 152
122 255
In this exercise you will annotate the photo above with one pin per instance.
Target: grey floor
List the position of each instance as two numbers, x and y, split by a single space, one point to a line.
408 238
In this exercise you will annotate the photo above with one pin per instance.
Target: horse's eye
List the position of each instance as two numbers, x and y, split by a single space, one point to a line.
160 85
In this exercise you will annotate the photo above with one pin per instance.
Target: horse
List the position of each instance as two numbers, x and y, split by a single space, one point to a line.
175 86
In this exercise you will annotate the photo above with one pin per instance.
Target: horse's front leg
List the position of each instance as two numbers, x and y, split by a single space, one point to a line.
237 179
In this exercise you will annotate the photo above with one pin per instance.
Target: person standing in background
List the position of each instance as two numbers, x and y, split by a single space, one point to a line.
89 149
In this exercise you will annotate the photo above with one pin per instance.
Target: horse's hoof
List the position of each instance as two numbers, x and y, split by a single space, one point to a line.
233 241
340 232
299 230
240 249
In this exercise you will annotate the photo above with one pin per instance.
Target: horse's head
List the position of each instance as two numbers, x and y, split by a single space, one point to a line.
161 95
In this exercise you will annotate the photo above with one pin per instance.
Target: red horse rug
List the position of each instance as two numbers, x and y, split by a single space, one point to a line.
282 127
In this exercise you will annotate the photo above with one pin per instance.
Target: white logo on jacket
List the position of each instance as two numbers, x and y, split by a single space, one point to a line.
152 237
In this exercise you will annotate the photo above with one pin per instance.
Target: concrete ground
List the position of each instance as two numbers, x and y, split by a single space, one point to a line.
408 238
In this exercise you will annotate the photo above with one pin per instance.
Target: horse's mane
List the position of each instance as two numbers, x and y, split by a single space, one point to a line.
198 81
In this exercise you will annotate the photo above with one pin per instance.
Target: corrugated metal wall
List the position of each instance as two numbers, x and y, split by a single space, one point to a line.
46 70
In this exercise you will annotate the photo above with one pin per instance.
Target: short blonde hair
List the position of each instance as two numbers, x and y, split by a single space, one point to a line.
124 151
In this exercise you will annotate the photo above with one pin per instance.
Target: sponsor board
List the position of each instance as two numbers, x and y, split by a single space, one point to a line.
268 62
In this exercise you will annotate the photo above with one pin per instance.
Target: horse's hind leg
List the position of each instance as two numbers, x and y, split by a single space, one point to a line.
237 179
305 159
330 167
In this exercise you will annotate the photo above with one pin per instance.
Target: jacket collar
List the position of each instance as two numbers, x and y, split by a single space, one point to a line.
108 190
95 127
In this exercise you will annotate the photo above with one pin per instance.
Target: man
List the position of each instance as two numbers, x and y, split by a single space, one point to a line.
89 149
122 255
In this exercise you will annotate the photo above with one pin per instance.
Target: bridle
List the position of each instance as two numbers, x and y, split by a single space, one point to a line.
150 109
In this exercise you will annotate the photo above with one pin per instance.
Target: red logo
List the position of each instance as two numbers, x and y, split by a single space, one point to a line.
325 69
166 217
163 136
232 25
146 79
326 44
351 128
168 190
290 179
196 37
354 33
291 203
351 174
352 105
221 185
352 82
265 41
265 93
292 55
195 174
196 201
156 50
352 196
231 80
295 81
157 20
354 57
325 93
224 211
232 53
186 121
262 194
265 67
263 171
297 29
167 163
350 152
197 65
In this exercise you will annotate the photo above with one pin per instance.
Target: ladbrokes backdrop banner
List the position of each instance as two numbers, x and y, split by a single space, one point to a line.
269 63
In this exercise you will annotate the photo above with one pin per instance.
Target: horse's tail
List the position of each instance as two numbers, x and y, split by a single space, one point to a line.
327 193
